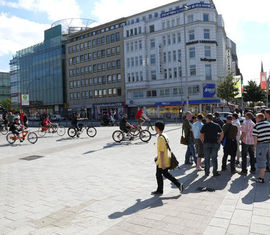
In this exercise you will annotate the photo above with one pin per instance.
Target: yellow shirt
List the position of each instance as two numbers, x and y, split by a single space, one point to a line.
162 147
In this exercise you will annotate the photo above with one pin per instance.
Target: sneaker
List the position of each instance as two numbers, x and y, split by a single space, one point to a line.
217 174
199 169
259 180
243 173
156 193
181 188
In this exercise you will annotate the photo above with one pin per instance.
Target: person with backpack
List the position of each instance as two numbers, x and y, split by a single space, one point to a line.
163 160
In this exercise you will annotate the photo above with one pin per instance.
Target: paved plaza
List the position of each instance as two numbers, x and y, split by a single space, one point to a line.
95 186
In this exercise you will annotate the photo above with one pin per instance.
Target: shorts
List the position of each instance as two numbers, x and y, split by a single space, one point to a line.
16 133
126 129
199 148
140 121
262 150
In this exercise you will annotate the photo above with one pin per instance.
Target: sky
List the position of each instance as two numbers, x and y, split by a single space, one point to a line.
22 24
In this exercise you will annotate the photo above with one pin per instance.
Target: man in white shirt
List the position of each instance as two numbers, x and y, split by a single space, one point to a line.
236 123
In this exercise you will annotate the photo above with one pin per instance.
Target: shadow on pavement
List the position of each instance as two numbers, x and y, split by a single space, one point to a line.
140 205
63 139
239 184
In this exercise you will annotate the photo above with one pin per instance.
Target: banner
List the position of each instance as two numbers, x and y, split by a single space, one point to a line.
25 99
209 90
263 81
238 84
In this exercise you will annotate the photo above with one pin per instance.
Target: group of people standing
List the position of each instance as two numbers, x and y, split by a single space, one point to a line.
204 137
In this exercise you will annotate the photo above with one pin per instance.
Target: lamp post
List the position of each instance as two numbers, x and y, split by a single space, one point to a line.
182 91
186 66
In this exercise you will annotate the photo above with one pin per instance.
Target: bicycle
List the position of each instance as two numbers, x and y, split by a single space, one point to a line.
31 137
91 131
150 128
55 127
3 129
144 135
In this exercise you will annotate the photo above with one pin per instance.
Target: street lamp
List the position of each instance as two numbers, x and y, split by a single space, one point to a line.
186 66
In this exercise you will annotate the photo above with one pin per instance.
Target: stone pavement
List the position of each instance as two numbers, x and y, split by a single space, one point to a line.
94 186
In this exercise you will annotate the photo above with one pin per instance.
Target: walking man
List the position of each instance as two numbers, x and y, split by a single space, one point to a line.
236 123
248 144
196 128
209 137
187 127
163 160
230 147
261 133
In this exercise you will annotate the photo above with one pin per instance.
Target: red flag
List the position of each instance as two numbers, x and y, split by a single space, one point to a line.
263 81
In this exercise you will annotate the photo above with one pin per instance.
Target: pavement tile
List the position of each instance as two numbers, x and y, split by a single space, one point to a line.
237 230
219 222
241 217
211 230
260 229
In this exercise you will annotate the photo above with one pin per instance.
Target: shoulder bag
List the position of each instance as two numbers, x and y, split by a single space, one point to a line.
183 140
174 161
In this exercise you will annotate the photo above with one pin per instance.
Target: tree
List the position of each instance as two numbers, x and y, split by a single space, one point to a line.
253 93
227 89
6 104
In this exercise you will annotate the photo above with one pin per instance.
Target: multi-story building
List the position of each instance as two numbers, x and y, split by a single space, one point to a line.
95 69
4 86
38 71
174 56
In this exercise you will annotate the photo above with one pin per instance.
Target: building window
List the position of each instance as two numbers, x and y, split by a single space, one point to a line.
192 70
179 55
71 85
114 78
141 75
141 60
170 73
140 44
164 41
118 63
117 35
205 17
153 75
136 61
128 62
191 35
118 50
169 57
118 77
152 28
140 30
113 38
169 39
153 59
206 33
165 74
164 57
152 93
132 62
174 38
207 51
137 76
175 73
163 25
110 91
152 43
131 46
192 52
178 21
173 22
190 19
208 72
174 56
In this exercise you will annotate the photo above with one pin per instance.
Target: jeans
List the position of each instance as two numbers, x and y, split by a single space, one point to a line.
190 150
229 149
210 152
167 175
262 150
248 148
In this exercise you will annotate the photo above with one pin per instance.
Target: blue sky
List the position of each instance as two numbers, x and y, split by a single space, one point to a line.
22 23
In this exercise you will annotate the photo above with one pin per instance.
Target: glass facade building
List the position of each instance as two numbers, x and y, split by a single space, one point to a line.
38 71
4 86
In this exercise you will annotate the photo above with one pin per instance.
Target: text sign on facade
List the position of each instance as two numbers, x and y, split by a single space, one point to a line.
25 99
209 90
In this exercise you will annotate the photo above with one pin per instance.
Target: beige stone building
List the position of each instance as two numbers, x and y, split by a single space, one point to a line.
95 70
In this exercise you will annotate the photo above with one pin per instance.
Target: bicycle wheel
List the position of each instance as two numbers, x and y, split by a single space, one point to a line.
10 138
4 130
61 130
72 132
118 136
32 137
91 131
145 135
134 133
41 132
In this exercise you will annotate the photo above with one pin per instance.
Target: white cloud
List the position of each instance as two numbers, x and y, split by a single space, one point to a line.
17 33
55 9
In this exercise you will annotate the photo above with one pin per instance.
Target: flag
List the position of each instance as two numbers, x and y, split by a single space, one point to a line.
263 81
238 85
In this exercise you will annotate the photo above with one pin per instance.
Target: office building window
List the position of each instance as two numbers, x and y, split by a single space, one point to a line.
207 51
169 39
169 57
110 91
191 35
140 44
174 38
127 47
118 50
173 22
165 74
168 24
118 63
152 28
206 33
117 36
153 59
170 73
137 76
71 84
175 73
174 56
153 75
179 37
128 75
163 25
131 46
208 72
178 21
135 31
136 61
140 30
114 78
164 40
152 93
205 17
192 52
179 55
113 38
192 70
136 45
152 43
190 19
132 62
118 77
141 76
128 62
164 57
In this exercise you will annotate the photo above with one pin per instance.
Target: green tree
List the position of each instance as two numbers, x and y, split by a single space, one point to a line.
253 93
227 89
6 104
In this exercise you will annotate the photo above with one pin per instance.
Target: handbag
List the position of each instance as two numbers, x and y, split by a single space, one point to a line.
174 161
183 140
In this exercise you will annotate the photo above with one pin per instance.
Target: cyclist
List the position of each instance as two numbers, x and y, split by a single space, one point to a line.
47 124
75 124
141 116
125 126
16 128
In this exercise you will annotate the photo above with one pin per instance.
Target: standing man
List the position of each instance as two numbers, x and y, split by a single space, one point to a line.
236 123
230 147
187 127
196 128
261 133
267 116
163 160
218 120
209 137
248 144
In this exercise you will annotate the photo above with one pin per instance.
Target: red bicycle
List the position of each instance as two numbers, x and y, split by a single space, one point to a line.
31 137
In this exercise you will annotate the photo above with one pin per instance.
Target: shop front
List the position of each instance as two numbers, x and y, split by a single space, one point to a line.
115 109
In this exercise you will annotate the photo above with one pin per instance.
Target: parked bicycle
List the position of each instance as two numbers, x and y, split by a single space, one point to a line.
31 137
53 128
91 131
144 135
